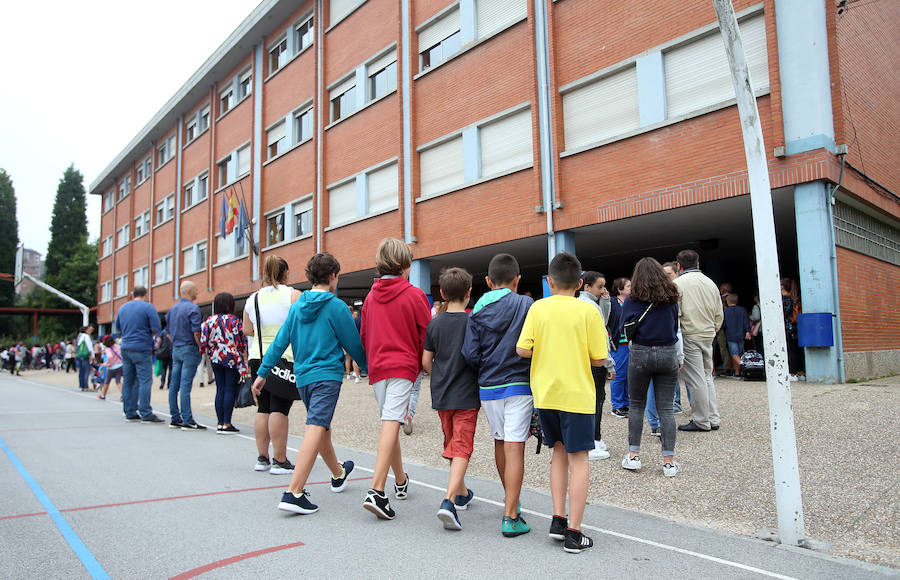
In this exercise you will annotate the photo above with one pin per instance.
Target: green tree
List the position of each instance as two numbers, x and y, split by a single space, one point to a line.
9 241
68 228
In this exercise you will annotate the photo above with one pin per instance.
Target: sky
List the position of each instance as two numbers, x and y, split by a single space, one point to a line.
83 78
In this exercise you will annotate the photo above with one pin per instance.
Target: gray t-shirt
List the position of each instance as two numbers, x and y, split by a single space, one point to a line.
453 382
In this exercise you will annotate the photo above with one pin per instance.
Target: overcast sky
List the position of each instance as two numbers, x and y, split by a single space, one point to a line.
82 78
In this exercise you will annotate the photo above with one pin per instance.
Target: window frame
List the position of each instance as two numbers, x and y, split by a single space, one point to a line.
123 233
144 220
244 85
197 250
144 276
168 207
121 281
168 263
106 246
281 45
105 291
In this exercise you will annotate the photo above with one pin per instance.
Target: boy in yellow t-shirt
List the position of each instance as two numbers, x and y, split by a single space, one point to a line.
563 337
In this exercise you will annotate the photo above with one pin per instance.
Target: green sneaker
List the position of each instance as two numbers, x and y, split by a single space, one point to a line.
513 527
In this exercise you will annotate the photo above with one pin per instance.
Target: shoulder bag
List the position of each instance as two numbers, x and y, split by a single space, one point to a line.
630 328
281 381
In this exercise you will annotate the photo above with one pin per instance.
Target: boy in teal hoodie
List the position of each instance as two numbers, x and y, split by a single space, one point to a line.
318 327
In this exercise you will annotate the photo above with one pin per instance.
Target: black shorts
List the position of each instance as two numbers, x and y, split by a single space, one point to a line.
267 402
574 430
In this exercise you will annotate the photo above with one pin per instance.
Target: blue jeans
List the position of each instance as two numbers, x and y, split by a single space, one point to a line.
618 387
137 380
84 372
227 383
185 360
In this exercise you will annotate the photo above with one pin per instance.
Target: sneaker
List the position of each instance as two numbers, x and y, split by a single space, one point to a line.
576 542
671 469
600 444
297 503
356 380
262 462
512 527
407 424
338 484
151 419
447 515
655 432
598 452
462 501
134 419
558 527
227 430
281 467
175 424
632 463
192 426
621 413
402 491
713 427
377 503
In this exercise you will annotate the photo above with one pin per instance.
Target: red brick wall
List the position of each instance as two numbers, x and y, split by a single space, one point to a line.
870 310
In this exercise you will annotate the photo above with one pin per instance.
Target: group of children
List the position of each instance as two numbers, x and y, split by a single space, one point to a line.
511 355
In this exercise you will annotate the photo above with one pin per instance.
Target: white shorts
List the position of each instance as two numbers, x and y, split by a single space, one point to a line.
392 396
509 418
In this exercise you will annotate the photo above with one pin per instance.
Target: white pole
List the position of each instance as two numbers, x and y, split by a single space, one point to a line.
85 311
781 419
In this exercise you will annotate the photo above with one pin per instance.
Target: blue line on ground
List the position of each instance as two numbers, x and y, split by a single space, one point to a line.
87 558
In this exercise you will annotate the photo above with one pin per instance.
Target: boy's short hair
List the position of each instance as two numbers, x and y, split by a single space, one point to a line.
732 299
590 277
393 257
320 268
455 283
688 259
503 269
565 269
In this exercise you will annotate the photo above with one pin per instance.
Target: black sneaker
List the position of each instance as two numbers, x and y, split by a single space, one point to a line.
448 516
262 462
227 430
134 419
297 503
558 528
281 467
151 419
377 503
576 542
655 431
461 502
175 424
192 426
402 491
621 413
339 483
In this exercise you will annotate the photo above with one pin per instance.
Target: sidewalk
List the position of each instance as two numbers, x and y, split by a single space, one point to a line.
846 436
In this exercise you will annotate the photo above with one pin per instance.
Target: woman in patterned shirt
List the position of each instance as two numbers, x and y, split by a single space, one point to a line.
222 338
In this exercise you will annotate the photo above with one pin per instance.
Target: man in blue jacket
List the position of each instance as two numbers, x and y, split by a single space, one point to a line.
137 321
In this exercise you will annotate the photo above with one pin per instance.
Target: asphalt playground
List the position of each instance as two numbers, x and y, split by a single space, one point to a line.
86 494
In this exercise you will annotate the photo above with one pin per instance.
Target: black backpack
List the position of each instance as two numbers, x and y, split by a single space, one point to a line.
165 346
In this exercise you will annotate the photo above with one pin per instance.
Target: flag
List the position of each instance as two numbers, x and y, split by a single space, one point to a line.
222 218
243 224
232 220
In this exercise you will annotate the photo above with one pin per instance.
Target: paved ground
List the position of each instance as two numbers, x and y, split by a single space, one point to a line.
147 501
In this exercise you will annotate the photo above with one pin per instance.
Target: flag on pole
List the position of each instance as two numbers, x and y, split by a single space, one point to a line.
243 223
232 220
223 217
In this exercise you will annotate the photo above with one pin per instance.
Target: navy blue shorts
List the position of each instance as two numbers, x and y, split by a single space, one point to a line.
320 399
574 430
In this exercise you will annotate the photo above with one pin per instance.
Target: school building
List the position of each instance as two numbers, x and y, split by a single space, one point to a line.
473 127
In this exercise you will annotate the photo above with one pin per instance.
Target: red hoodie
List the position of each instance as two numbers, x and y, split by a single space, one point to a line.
392 328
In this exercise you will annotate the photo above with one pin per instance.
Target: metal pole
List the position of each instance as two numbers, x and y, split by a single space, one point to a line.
781 419
545 123
85 311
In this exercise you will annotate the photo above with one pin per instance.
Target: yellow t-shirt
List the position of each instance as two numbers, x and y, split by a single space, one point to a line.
564 334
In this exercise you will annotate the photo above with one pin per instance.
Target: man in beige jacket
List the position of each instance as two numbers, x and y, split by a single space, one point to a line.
700 314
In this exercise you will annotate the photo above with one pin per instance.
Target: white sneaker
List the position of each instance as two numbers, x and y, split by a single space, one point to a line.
600 444
671 469
595 454
632 463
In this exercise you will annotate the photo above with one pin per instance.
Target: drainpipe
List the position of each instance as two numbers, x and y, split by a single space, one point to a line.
545 122
152 222
176 259
839 335
209 185
257 156
407 122
319 130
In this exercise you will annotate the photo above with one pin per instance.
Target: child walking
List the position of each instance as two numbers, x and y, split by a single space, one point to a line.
564 337
503 379
318 328
394 318
454 390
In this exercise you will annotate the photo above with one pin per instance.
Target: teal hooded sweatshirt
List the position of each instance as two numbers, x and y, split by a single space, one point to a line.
318 326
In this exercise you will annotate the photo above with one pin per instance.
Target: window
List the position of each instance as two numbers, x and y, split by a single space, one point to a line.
121 285
341 8
342 203
303 35
229 247
245 85
278 55
109 200
277 140
302 218
143 171
162 270
203 119
194 258
165 209
495 15
105 289
382 75
202 186
165 151
141 224
275 228
601 109
382 188
123 236
441 167
142 276
196 190
506 143
226 100
370 192
439 40
226 171
124 188
190 130
243 160
234 165
698 76
343 99
303 125
106 246
188 194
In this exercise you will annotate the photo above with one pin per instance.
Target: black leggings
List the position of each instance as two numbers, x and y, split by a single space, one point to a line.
599 374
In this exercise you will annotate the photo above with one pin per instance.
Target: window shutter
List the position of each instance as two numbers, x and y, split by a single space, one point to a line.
602 109
382 62
383 188
342 203
276 133
753 35
439 30
506 143
441 167
243 160
188 260
339 9
494 15
342 87
302 206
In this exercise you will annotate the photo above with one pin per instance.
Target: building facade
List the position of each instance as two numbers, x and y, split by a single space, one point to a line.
474 127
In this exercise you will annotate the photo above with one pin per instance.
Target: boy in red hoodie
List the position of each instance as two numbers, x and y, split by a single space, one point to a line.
394 317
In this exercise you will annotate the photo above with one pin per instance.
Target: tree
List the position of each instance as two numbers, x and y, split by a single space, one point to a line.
68 228
9 241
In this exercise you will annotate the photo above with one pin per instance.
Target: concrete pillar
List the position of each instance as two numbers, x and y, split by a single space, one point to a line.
420 275
818 276
651 77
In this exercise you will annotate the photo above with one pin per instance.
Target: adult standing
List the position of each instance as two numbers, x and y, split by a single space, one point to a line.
700 313
596 293
618 387
790 305
164 356
274 402
137 321
222 340
84 346
183 321
70 356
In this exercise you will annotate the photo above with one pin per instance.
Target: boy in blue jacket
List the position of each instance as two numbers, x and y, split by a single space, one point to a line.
318 327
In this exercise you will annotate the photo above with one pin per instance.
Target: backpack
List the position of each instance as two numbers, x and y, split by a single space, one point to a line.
83 350
165 346
534 430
